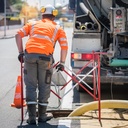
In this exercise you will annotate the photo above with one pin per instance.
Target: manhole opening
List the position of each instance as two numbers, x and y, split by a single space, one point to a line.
60 113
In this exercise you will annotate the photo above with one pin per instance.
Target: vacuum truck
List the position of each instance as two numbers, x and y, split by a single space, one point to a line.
101 26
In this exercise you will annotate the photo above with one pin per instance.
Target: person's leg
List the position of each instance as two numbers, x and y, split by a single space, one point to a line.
30 78
44 91
31 113
43 116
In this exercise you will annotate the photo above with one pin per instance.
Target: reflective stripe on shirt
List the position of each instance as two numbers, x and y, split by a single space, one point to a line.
42 37
62 39
55 32
32 29
23 31
65 44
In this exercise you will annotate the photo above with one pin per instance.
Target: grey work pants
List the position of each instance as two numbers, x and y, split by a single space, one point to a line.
34 77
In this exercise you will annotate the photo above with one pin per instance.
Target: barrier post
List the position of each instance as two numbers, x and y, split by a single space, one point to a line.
22 94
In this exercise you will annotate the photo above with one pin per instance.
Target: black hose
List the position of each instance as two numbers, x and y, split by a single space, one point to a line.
121 3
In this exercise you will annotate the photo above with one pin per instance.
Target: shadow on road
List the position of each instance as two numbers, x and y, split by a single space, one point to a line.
41 125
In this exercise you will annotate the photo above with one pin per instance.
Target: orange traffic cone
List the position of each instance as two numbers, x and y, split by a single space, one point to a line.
17 97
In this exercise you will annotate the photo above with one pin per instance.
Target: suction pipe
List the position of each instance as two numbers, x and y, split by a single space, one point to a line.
94 106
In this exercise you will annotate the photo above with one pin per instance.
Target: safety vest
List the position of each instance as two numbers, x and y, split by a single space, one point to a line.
43 35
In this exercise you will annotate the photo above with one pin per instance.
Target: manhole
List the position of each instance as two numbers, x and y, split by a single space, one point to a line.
60 113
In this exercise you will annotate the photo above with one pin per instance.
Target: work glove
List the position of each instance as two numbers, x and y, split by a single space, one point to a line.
60 67
21 57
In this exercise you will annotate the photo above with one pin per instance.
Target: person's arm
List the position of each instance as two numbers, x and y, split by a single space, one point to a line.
21 33
19 43
64 49
63 55
64 46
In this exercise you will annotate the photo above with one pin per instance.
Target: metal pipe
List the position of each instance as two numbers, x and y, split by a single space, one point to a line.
83 27
89 25
78 25
95 26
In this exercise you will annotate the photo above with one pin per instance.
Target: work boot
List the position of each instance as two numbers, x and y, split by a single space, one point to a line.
32 114
42 115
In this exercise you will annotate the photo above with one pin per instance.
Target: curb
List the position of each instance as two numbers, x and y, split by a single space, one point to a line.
7 37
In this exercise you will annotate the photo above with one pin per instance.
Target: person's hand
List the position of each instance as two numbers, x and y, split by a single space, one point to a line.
60 67
21 57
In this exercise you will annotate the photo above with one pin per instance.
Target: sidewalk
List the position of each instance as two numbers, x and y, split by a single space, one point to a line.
10 31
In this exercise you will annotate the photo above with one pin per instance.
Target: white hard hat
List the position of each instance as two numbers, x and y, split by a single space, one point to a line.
49 9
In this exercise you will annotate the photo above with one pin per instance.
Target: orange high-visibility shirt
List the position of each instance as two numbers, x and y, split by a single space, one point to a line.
43 35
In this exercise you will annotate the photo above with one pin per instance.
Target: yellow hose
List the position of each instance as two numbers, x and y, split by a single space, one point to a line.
94 106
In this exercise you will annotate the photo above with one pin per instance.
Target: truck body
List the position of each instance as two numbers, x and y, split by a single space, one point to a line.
101 26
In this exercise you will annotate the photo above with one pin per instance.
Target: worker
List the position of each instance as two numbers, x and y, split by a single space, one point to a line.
38 60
